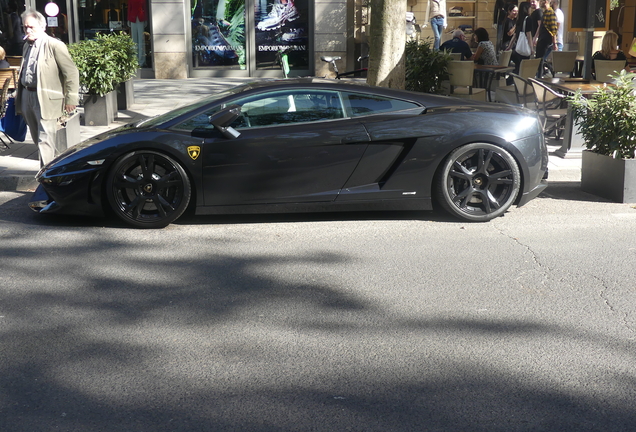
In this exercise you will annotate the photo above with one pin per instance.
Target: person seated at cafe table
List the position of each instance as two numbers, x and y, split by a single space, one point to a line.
609 50
4 64
458 45
485 53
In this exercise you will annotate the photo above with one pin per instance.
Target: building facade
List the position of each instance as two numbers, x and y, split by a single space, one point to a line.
198 38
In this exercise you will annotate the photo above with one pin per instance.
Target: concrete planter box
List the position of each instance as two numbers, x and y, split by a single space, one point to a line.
125 95
100 110
610 178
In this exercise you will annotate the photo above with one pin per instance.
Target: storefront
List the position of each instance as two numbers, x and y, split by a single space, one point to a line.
74 20
190 38
248 37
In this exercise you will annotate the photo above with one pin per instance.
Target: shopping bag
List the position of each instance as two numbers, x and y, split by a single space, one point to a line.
13 124
523 47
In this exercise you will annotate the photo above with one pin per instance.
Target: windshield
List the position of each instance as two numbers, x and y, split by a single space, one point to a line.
171 115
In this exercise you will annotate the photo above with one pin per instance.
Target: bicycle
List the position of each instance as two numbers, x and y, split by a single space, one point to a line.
358 73
282 58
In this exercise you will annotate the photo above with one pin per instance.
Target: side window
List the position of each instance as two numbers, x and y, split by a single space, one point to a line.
361 104
298 106
199 121
276 108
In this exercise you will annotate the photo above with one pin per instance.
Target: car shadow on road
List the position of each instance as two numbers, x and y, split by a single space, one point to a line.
17 210
432 216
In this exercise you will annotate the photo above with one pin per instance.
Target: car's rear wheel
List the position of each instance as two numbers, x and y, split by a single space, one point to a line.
478 182
148 189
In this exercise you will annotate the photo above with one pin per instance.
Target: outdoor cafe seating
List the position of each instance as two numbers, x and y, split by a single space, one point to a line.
461 77
14 61
563 63
550 106
509 94
11 73
605 68
4 96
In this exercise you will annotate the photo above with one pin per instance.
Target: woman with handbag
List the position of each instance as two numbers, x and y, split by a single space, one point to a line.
522 40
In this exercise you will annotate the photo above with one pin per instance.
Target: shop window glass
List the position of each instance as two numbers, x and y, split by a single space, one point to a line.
129 16
282 26
218 33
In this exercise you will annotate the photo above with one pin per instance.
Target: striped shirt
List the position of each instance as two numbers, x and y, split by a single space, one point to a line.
549 21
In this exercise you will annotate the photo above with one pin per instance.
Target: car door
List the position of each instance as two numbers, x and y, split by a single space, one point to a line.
394 126
294 146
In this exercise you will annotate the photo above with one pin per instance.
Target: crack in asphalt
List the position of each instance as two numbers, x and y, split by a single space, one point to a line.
546 273
611 307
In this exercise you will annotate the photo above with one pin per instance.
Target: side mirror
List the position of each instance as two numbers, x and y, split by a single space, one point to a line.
222 119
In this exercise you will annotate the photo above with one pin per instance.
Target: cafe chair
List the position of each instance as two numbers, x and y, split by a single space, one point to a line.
461 76
508 94
524 92
456 56
9 73
14 61
605 68
563 63
4 96
504 58
551 108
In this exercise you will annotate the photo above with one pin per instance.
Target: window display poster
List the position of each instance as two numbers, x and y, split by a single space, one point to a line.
218 33
281 26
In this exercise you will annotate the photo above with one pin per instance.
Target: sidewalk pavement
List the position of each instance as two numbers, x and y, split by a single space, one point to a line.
20 163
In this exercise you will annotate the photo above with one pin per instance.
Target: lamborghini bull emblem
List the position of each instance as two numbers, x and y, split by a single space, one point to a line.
194 152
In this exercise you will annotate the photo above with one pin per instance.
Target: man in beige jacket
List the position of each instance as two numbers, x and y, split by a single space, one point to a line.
49 84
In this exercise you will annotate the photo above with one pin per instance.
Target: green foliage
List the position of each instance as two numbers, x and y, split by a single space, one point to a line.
123 54
104 62
607 119
234 8
426 68
236 35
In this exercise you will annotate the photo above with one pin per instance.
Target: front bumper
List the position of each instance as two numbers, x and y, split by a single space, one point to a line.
76 193
41 202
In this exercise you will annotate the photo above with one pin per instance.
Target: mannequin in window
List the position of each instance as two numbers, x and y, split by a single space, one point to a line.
98 13
16 36
436 12
137 22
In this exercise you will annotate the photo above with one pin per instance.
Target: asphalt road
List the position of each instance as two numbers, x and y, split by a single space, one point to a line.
335 322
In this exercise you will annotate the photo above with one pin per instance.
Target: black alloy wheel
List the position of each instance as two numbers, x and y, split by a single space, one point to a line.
478 182
148 189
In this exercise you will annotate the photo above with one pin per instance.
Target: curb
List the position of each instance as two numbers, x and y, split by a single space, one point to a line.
18 183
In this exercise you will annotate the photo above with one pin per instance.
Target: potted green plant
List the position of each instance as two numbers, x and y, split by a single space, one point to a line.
607 123
426 68
103 63
123 53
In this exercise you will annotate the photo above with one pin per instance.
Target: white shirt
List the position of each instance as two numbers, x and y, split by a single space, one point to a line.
560 21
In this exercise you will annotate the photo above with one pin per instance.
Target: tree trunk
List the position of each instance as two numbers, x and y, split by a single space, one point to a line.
387 37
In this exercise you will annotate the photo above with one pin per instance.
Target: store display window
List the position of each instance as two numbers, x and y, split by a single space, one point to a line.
130 16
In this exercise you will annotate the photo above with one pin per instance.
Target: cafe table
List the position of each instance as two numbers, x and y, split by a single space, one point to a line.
572 140
484 75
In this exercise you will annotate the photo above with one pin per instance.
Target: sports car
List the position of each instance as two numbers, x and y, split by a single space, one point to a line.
304 145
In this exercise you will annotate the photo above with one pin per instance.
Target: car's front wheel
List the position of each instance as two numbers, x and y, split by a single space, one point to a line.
148 189
478 182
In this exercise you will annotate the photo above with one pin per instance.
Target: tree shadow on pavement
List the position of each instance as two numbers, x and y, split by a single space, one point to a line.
108 334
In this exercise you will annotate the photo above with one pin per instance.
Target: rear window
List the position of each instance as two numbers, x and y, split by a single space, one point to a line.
363 104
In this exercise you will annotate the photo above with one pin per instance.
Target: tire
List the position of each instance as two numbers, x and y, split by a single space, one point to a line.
148 189
478 182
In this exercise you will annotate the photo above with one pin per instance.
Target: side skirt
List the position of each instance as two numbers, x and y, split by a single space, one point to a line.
386 205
